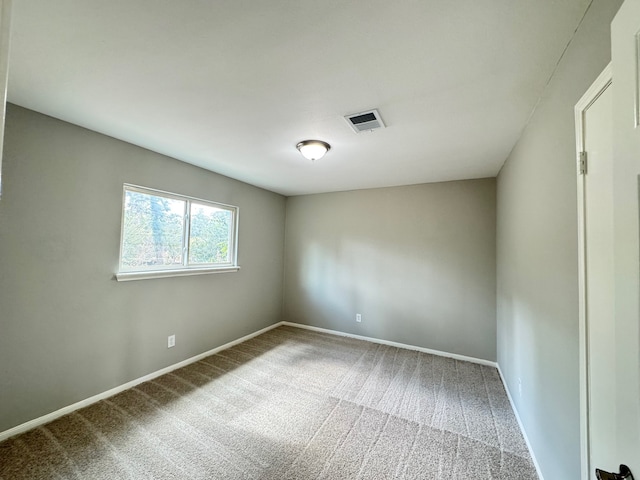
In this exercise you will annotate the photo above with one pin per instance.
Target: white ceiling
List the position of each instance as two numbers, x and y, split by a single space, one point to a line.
234 85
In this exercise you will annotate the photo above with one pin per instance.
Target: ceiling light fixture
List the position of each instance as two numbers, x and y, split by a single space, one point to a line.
313 149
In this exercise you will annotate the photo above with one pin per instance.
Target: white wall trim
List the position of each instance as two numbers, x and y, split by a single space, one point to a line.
524 433
178 272
395 344
109 393
5 40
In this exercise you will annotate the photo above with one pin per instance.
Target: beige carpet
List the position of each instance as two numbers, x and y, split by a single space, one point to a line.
289 404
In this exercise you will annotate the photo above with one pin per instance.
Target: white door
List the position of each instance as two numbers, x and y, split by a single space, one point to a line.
594 122
625 45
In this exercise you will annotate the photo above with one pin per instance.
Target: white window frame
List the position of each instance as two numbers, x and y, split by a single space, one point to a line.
164 271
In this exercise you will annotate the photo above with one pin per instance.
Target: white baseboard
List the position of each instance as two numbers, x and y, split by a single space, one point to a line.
109 393
395 344
524 433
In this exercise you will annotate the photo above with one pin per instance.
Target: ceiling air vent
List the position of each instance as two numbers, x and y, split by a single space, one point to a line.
365 121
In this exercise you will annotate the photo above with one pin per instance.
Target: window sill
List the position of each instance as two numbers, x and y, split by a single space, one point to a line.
183 272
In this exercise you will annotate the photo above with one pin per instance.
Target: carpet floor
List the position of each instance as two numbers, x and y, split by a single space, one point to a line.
289 404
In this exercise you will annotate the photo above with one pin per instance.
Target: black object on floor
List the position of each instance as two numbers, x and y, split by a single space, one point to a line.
625 474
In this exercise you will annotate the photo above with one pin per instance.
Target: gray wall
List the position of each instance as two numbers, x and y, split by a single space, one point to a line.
537 256
417 262
68 330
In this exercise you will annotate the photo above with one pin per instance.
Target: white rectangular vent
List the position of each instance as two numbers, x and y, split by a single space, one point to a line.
365 121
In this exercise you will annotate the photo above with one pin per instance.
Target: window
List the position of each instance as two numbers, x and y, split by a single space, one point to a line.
165 234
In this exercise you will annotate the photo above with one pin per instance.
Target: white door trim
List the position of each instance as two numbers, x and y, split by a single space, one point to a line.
5 37
600 85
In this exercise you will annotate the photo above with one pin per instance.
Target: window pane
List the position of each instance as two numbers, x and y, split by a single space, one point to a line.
152 232
210 235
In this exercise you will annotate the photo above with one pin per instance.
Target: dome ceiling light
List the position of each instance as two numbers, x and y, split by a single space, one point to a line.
313 149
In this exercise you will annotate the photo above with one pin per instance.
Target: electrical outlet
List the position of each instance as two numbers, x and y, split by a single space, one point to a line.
358 317
171 341
520 386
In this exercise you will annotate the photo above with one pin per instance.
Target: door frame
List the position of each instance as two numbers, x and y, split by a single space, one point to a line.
5 38
604 80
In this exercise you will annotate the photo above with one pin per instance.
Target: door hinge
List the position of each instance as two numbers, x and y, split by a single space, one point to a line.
582 163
